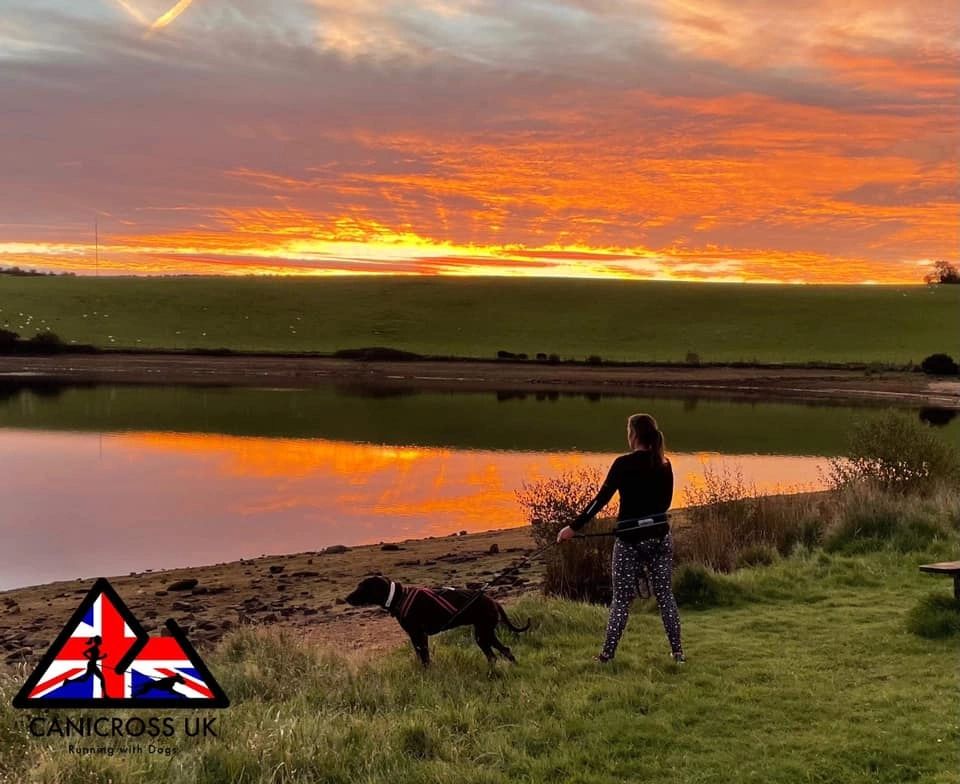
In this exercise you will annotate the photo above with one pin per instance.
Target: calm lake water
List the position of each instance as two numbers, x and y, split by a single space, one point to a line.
105 480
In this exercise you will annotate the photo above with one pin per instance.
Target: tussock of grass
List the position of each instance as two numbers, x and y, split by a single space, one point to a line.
935 616
808 676
757 555
699 588
865 519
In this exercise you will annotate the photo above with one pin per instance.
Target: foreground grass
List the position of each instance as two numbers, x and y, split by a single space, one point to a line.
810 675
618 320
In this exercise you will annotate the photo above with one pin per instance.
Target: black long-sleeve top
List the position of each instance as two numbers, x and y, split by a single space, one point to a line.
645 486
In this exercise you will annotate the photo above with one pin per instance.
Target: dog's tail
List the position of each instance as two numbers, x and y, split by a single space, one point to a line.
505 619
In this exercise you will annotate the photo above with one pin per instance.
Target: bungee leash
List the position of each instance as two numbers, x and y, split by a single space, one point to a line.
639 524
483 588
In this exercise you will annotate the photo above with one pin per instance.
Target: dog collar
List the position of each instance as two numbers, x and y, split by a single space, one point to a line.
393 590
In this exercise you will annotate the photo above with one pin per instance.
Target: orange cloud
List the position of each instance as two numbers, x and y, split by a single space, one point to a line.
701 139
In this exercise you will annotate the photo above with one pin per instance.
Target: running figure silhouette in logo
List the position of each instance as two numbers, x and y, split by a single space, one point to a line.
93 655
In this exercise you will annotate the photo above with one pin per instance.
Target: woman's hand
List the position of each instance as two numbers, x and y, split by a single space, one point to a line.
565 533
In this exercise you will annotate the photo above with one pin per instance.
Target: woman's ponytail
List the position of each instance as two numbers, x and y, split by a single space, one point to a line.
643 430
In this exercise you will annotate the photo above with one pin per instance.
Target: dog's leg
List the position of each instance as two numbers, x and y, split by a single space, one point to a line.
483 635
421 645
508 654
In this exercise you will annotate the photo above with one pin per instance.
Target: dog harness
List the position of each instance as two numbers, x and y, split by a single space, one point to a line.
411 597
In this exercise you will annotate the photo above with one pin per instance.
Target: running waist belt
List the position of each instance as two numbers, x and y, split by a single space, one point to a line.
633 531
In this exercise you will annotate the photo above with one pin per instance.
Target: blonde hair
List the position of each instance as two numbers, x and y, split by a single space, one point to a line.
642 430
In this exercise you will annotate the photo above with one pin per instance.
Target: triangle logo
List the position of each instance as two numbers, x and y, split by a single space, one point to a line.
103 658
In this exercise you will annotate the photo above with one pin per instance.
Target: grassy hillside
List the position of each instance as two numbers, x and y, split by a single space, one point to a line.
613 319
810 676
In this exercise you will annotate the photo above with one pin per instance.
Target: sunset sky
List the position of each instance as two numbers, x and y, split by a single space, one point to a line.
694 139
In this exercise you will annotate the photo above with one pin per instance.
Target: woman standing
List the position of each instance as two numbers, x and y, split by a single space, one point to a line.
644 479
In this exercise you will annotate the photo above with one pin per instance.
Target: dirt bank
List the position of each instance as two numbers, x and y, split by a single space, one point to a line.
914 389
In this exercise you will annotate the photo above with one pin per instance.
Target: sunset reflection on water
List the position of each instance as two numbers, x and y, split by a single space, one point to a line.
86 504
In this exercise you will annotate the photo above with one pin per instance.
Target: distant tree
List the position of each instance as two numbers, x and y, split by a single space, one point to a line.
943 272
939 365
21 272
8 337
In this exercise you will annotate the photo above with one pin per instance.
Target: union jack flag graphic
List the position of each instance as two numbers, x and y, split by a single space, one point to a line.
104 658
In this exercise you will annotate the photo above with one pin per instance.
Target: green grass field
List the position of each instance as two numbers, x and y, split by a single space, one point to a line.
617 320
811 676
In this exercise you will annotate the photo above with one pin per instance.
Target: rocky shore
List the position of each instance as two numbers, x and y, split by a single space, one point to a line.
302 592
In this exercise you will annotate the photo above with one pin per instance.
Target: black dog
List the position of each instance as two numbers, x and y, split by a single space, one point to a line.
425 611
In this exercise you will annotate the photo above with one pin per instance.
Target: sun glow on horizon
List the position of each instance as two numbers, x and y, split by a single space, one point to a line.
224 256
691 141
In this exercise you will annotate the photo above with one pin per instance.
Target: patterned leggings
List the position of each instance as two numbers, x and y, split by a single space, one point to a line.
655 556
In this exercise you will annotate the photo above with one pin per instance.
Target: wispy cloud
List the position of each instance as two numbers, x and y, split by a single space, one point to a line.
701 138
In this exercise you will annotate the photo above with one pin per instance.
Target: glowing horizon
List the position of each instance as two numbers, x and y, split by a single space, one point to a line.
705 140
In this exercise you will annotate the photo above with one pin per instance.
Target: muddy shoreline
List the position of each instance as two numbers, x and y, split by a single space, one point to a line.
840 384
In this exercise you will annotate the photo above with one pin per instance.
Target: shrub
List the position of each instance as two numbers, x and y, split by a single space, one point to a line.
594 359
935 616
939 365
552 503
580 569
8 337
728 518
710 540
895 452
554 358
692 358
